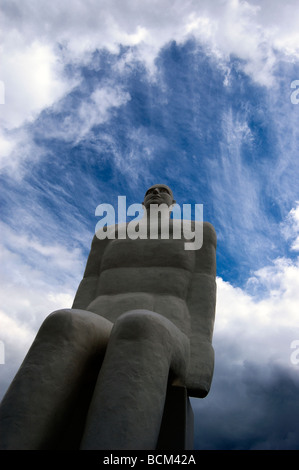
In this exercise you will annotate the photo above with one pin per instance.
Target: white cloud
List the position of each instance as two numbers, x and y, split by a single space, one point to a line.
36 279
259 329
295 245
91 112
28 250
16 149
33 78
237 188
246 29
16 338
37 43
290 227
256 365
7 145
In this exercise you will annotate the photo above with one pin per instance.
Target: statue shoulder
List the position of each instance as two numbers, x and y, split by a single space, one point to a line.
110 232
209 233
206 255
99 244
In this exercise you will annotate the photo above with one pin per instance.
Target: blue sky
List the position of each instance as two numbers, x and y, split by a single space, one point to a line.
196 95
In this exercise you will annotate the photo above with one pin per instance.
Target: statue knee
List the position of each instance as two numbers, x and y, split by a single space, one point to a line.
142 325
58 323
70 324
78 327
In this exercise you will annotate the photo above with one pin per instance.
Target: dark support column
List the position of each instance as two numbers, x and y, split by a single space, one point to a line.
177 428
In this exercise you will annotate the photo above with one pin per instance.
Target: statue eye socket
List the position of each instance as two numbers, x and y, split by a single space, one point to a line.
162 190
149 192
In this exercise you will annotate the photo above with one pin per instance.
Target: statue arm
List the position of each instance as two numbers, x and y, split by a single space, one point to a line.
201 303
203 291
87 289
205 257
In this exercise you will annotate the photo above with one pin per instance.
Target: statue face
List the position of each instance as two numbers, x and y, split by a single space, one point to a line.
158 194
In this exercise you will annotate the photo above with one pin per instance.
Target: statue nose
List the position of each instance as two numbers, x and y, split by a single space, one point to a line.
156 191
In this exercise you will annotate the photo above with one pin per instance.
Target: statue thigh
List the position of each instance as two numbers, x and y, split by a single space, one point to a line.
128 401
39 403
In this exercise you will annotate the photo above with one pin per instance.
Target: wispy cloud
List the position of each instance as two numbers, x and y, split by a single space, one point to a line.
242 29
92 110
290 227
40 48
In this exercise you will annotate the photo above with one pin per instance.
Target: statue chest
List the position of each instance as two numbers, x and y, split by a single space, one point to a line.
153 266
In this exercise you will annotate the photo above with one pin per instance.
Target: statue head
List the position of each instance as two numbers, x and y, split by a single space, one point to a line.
158 194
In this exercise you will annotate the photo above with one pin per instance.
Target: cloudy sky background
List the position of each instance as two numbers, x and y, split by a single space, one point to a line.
105 98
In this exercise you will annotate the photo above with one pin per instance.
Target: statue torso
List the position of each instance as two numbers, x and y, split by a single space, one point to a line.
145 274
